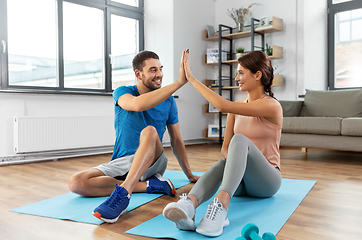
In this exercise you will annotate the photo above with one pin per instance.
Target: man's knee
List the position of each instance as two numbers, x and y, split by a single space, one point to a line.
149 132
74 182
78 183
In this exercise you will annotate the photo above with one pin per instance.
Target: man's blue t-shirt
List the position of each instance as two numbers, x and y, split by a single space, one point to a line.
129 124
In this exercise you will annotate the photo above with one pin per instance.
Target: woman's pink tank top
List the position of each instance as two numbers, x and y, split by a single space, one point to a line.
263 133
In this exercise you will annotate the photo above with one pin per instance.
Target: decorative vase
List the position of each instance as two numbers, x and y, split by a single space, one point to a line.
239 26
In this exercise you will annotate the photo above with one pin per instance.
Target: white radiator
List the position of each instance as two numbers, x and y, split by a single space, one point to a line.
37 134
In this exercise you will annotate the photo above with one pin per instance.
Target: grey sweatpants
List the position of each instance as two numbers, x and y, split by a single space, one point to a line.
246 172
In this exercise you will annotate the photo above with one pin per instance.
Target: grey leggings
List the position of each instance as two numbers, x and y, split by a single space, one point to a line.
245 173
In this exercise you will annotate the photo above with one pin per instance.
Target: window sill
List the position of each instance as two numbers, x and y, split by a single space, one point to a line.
65 92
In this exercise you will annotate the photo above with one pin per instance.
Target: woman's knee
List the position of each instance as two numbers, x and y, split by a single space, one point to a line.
239 139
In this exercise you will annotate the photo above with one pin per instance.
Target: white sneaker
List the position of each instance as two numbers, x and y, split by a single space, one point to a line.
181 213
214 221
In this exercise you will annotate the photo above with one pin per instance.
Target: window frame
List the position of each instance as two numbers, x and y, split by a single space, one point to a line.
333 9
108 7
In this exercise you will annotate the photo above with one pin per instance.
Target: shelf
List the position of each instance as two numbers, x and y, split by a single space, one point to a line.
208 83
277 26
278 80
277 53
225 88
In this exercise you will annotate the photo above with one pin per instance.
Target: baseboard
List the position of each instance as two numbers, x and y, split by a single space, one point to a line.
191 142
56 155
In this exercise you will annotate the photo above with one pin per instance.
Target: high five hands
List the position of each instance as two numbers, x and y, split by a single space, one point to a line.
185 72
187 67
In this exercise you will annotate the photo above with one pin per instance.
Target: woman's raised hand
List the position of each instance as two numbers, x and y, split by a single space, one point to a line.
187 67
182 75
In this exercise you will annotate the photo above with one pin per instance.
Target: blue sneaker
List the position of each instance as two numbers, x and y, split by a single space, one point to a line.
110 210
157 184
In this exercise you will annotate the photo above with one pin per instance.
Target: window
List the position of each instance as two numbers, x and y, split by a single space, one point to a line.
32 43
128 2
73 46
122 54
344 43
349 25
83 46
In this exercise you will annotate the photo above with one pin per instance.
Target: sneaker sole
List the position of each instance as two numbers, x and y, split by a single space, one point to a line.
214 234
179 217
99 216
173 191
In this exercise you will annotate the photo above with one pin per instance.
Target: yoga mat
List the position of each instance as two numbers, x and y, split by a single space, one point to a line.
74 207
269 214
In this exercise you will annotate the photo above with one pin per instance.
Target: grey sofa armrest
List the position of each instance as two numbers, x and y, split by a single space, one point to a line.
291 108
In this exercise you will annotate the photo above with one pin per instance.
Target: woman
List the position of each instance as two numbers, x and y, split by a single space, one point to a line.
250 151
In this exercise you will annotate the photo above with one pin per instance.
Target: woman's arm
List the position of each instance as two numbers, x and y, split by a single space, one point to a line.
267 108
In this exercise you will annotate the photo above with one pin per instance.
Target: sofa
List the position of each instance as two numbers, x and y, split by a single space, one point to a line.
325 119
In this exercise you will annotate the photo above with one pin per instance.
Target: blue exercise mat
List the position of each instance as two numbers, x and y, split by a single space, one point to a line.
269 214
73 207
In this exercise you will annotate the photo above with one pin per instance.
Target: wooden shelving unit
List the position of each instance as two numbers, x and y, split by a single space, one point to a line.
276 26
277 53
278 80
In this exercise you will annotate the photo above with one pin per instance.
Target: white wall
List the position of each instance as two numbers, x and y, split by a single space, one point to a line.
159 34
315 44
172 26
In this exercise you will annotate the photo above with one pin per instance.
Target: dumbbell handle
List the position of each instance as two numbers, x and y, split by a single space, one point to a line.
255 236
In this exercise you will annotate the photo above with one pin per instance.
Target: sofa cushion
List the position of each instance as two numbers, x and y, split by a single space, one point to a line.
340 103
312 125
291 108
352 127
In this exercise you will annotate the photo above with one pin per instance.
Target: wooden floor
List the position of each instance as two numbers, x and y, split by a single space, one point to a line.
332 210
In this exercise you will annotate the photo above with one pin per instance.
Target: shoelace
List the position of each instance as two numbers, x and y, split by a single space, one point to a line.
116 198
213 209
183 197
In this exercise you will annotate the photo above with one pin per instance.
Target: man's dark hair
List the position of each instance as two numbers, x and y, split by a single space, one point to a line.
138 61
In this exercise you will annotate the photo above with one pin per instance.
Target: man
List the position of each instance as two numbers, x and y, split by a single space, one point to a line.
142 112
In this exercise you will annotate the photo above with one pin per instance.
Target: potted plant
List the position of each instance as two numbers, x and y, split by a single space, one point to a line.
239 52
269 50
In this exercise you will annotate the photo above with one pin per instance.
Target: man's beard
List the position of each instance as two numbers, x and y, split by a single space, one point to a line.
150 86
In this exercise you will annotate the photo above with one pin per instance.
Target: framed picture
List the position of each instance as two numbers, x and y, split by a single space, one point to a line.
212 109
210 31
264 21
213 130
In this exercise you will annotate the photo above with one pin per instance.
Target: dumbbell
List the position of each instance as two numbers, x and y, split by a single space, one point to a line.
251 232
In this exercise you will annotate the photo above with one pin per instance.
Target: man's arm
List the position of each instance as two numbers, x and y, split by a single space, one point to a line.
148 100
179 150
151 99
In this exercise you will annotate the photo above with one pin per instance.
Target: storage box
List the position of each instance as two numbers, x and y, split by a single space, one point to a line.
212 55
